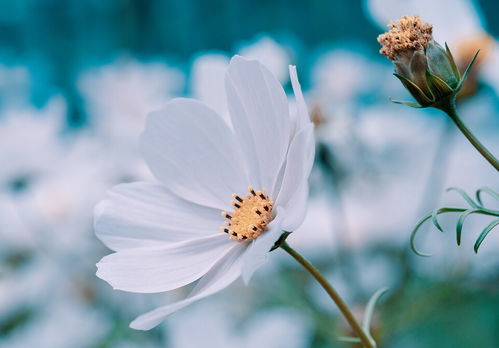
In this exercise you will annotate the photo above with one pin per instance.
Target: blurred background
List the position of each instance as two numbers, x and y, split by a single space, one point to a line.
77 79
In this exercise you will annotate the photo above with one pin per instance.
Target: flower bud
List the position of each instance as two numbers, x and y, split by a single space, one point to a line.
426 69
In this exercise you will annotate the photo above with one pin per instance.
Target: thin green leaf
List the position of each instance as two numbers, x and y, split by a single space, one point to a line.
413 236
487 190
489 212
452 61
460 222
439 88
434 218
466 197
422 221
368 315
415 91
484 234
466 72
408 103
349 339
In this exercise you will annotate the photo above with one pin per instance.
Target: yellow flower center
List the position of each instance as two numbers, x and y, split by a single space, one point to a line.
250 216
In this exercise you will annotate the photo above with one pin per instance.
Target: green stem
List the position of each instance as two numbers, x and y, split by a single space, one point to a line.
331 292
450 110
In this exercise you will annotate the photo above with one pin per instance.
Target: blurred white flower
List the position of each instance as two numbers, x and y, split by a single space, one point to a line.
271 54
164 233
14 232
29 142
36 298
271 328
136 344
403 146
342 74
207 81
342 79
60 204
315 237
27 285
120 95
208 71
117 98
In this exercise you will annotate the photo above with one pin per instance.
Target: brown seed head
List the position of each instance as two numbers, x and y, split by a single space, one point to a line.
410 33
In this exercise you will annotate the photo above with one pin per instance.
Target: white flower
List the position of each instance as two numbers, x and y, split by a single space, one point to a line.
120 95
270 328
29 142
316 236
166 235
60 203
340 75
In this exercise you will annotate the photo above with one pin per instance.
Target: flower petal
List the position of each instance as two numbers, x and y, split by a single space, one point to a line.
260 116
165 267
221 275
299 162
194 153
302 116
258 250
296 209
141 214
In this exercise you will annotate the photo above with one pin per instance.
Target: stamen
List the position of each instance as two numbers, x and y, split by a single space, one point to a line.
251 215
225 215
237 197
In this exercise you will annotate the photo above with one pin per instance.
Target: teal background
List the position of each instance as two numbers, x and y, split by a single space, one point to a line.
57 40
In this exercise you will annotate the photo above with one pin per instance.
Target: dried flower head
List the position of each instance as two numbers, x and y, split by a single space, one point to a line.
426 69
410 33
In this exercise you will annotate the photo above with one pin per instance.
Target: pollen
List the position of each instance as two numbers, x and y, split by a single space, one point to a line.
410 33
250 216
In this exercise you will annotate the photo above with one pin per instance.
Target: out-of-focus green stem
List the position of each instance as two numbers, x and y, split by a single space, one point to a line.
450 109
366 342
